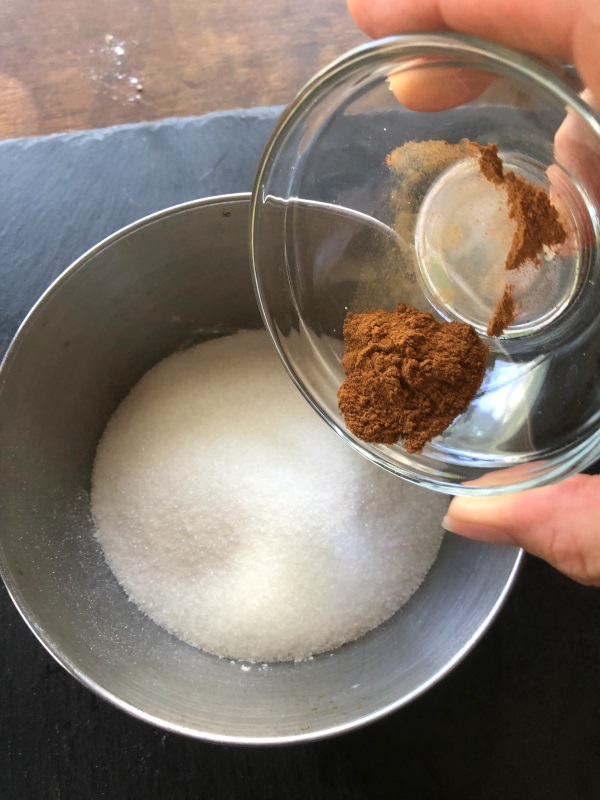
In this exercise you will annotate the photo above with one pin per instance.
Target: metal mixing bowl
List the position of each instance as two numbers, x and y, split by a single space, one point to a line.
168 280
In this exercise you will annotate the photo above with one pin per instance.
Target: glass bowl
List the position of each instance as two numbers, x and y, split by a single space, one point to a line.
353 211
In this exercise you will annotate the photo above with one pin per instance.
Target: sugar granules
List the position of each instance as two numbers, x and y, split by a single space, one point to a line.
235 518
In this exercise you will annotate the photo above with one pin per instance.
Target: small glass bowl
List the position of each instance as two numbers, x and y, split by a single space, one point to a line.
334 228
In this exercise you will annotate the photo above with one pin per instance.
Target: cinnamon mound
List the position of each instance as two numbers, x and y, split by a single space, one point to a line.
407 375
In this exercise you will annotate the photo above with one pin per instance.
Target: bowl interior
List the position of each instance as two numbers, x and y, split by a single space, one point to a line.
164 283
408 219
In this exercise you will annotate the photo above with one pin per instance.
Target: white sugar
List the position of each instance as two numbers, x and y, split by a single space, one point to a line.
235 518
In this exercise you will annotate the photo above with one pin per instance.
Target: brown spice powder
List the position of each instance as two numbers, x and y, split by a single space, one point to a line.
413 168
407 375
419 162
538 221
504 313
538 224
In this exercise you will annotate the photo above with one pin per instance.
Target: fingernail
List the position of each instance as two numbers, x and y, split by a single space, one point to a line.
481 533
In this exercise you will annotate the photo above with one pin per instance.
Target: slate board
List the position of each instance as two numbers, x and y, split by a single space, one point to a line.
519 718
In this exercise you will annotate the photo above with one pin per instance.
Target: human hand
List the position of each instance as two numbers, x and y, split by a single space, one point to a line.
568 30
559 523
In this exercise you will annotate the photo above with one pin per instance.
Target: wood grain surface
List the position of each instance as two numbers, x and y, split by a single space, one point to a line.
79 64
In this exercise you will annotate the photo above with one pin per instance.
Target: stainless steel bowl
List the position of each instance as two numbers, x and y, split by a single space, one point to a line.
168 280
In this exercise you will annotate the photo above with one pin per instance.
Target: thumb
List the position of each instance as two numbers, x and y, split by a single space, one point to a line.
559 523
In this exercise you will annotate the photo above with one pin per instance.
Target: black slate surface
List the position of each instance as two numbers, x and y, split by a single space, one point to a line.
519 718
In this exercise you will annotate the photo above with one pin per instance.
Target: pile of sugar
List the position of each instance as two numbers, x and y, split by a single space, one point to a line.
235 518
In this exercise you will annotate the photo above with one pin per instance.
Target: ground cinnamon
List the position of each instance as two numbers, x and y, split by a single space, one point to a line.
538 221
407 375
538 225
504 313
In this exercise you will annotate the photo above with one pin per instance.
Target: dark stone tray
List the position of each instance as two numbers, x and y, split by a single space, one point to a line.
518 719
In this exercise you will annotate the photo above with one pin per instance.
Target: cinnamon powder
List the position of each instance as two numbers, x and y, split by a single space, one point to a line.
407 375
538 224
504 313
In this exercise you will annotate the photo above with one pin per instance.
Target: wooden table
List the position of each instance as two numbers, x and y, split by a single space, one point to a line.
79 64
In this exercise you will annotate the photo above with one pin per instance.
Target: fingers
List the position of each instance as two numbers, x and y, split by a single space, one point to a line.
584 45
578 151
540 26
431 88
559 523
564 29
386 17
